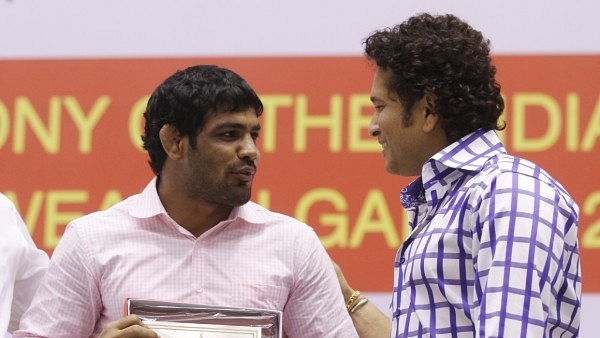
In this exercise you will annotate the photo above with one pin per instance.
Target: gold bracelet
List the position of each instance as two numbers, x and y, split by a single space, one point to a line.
362 302
352 298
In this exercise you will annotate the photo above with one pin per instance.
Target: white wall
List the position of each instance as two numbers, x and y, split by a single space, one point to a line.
92 28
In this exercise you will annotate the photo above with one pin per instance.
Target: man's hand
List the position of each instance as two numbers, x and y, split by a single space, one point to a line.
128 327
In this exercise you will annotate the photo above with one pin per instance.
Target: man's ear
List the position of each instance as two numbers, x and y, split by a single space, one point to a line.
432 119
172 141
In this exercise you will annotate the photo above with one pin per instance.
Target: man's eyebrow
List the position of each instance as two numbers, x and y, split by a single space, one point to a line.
236 125
375 99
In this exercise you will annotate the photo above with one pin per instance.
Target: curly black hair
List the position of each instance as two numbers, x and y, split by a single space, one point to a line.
444 56
187 99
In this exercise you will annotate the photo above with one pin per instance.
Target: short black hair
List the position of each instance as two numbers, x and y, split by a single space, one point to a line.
187 98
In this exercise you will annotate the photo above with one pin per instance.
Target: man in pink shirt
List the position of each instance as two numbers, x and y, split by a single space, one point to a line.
191 235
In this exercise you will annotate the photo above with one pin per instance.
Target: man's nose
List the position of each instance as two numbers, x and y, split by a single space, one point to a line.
249 149
374 126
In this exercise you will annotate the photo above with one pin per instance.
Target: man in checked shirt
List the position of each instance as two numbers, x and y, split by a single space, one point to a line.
493 246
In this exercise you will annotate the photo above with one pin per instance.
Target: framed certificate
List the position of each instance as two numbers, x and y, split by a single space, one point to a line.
184 320
191 330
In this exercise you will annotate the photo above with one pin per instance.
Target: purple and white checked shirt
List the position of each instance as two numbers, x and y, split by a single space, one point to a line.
493 248
256 258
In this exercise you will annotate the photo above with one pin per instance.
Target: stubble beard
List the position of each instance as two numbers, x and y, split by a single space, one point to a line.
221 193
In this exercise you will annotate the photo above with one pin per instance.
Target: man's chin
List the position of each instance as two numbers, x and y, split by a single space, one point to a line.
241 199
391 169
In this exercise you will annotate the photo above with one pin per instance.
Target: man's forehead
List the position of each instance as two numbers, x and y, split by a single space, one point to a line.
246 118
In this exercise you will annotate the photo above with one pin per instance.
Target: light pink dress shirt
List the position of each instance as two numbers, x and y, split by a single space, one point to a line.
256 258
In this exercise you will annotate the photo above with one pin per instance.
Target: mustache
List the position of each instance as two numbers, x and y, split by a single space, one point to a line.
248 166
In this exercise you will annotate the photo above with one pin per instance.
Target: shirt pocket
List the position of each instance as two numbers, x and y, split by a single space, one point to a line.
260 296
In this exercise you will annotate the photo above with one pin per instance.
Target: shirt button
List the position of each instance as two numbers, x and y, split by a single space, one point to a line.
402 260
199 290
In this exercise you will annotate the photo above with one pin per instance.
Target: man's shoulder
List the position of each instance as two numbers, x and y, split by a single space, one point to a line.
268 217
117 214
512 173
6 205
509 165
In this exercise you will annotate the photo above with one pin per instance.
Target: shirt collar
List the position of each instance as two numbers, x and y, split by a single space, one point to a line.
148 205
470 153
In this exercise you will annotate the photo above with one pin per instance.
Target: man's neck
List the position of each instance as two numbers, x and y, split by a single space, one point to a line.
195 216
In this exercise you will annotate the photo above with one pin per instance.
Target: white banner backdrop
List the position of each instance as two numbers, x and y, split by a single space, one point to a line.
133 28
